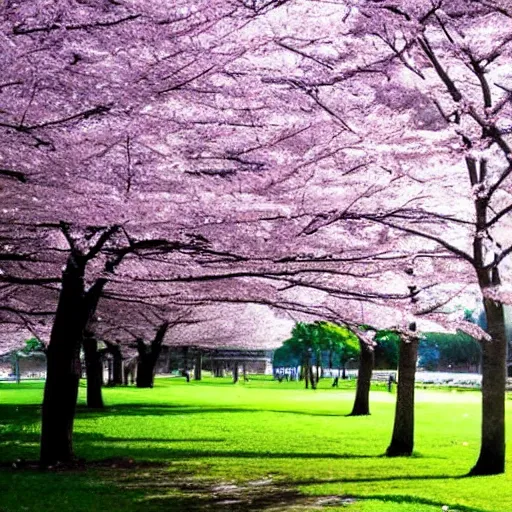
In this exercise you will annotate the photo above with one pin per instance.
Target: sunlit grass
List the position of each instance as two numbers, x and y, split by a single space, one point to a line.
216 433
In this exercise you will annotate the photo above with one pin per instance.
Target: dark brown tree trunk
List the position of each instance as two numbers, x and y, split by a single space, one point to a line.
244 372
93 363
402 441
145 370
148 356
364 377
491 460
63 368
94 373
117 366
235 372
59 403
197 367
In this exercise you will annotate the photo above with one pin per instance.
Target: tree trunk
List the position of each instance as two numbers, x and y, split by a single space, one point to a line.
94 373
491 460
63 368
145 371
117 366
364 377
198 365
305 372
402 442
59 404
235 372
148 356
244 372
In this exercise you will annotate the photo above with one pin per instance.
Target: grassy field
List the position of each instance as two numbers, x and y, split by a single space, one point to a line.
253 446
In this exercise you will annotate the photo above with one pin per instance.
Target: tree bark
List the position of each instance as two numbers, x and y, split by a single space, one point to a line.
198 366
117 366
63 368
364 376
235 372
93 366
491 460
94 373
117 363
402 441
145 371
145 366
148 356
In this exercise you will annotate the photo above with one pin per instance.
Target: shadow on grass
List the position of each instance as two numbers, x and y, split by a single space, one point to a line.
10 413
19 437
169 409
97 447
92 448
392 478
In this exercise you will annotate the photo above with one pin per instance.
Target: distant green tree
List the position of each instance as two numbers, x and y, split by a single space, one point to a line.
285 356
33 345
340 344
386 350
452 350
312 344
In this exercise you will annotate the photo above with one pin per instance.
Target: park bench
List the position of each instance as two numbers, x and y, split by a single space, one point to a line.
383 375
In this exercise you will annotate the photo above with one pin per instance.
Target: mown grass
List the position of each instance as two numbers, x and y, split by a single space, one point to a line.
261 445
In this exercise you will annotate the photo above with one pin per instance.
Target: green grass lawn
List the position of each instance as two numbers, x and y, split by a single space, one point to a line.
261 445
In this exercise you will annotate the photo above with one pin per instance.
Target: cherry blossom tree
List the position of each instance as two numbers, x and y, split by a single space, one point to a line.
424 111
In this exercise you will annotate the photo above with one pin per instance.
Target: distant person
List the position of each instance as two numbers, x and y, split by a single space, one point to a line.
391 379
